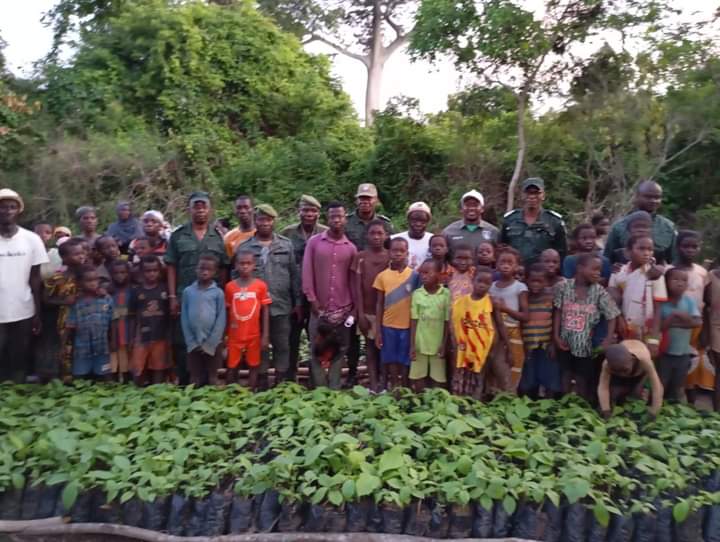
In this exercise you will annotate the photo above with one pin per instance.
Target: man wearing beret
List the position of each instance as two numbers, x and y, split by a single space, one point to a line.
21 254
299 233
276 265
187 243
532 229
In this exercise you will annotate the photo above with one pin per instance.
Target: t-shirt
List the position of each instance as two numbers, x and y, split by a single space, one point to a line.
418 249
234 238
698 278
569 267
18 255
398 287
638 297
511 297
369 264
431 311
461 284
678 343
152 312
474 331
244 304
578 318
537 331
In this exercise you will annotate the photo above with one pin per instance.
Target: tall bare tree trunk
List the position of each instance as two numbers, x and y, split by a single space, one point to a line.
522 149
376 58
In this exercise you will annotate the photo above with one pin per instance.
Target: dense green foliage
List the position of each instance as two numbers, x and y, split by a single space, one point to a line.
333 447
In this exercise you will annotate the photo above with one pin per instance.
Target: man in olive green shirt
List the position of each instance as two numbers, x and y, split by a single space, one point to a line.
532 229
471 229
187 243
299 233
276 265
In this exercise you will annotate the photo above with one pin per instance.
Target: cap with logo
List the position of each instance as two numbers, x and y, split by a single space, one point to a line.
367 189
473 194
309 200
533 182
266 209
419 206
6 193
199 196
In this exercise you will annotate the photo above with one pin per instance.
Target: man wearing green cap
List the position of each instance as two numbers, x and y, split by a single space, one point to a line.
276 265
531 229
187 243
299 233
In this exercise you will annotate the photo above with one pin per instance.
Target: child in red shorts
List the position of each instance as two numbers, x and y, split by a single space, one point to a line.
248 320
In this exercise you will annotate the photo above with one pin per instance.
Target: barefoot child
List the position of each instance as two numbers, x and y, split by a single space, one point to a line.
121 327
395 286
439 252
367 265
248 319
429 313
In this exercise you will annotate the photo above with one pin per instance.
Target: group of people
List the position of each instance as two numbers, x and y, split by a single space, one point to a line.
474 308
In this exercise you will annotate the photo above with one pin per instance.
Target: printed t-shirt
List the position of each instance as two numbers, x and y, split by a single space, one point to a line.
18 255
511 297
152 311
431 311
537 331
120 320
461 284
474 331
418 249
579 317
369 265
398 287
244 305
678 337
638 297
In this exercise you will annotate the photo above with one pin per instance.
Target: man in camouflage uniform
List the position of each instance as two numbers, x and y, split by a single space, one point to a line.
299 233
366 200
275 264
648 198
531 229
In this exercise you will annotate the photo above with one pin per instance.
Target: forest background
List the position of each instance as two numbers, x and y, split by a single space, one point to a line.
160 97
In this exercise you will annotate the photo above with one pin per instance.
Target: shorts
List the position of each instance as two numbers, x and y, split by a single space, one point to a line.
396 346
120 360
93 365
153 355
425 365
250 349
540 370
371 333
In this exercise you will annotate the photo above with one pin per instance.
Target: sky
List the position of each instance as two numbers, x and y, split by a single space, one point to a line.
28 40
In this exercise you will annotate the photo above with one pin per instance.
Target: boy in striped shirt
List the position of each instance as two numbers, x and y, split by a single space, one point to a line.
540 368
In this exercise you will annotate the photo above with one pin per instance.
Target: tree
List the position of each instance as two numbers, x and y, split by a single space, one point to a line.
357 29
507 45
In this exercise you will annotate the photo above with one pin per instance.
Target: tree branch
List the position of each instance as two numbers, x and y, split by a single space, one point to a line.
392 24
396 44
665 161
339 48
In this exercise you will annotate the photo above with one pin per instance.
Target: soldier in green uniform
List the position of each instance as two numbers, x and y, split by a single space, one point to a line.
187 243
648 198
276 265
366 200
531 229
299 233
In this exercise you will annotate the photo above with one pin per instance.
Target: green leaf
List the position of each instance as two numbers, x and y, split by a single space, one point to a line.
594 449
681 511
366 484
335 497
313 453
522 411
389 460
486 502
180 456
121 462
576 489
348 489
509 504
70 495
601 513
286 432
18 480
457 428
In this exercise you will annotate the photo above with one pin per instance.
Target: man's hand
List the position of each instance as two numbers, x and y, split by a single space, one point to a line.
315 308
364 324
441 352
412 353
265 341
655 272
378 341
174 307
36 325
299 314
561 345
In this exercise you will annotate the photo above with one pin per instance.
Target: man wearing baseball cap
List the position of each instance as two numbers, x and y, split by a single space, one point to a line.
532 229
471 229
21 254
187 243
417 236
366 201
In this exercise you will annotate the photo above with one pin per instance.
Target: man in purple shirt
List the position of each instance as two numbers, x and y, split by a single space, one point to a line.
327 280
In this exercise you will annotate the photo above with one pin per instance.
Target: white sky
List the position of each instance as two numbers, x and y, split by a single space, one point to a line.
28 40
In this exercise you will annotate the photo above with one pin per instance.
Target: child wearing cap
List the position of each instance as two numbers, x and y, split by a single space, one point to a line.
417 236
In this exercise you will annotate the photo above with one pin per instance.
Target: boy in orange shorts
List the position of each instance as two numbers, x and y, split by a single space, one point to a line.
248 320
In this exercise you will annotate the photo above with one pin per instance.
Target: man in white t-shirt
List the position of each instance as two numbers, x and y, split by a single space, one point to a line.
417 236
21 254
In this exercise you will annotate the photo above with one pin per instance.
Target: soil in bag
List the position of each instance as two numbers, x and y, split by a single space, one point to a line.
291 517
554 522
104 511
393 518
315 519
596 532
418 518
335 520
357 516
155 513
482 522
461 521
439 521
664 527
690 530
30 501
217 513
177 515
48 501
268 512
529 522
574 524
132 512
196 520
83 508
374 518
11 504
241 514
621 529
502 522
645 527
712 524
